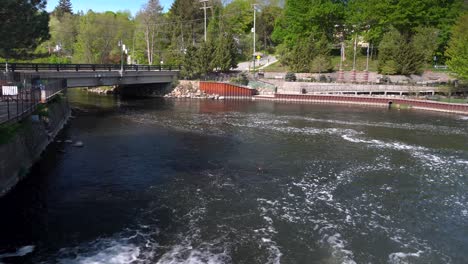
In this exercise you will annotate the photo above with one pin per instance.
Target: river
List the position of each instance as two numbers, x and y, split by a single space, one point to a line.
187 181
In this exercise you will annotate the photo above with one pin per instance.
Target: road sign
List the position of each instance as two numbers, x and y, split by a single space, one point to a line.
9 90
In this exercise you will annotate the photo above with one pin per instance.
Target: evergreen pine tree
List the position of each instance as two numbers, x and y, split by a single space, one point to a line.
64 6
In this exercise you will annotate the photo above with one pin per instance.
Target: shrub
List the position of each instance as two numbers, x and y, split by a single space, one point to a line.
290 77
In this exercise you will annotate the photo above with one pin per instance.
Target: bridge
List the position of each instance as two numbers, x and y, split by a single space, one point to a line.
89 75
25 85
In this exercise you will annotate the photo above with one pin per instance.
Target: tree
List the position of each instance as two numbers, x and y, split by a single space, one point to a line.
99 34
23 26
458 48
404 54
63 34
225 53
204 59
266 24
149 17
189 70
63 7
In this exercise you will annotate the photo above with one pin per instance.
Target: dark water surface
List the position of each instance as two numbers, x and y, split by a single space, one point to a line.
165 181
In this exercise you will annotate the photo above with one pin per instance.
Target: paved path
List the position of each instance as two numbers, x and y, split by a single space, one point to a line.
265 61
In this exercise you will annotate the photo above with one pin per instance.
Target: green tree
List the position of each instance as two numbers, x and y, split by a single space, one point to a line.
99 34
225 53
63 7
458 48
190 69
23 26
204 59
266 24
63 34
403 54
149 19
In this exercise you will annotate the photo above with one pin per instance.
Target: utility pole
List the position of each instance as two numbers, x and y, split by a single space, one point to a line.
253 30
204 10
122 50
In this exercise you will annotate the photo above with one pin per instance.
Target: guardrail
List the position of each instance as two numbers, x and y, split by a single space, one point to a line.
37 67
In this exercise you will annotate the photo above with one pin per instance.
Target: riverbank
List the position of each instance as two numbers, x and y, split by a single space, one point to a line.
31 137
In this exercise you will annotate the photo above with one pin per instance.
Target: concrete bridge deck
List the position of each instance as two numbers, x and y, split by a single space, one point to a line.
88 75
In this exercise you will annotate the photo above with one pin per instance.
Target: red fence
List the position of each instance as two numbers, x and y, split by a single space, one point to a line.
421 104
226 89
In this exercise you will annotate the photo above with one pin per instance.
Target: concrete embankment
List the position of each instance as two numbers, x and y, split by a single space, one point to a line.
33 135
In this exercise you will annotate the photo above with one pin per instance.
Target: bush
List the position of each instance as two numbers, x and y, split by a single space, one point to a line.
241 79
290 77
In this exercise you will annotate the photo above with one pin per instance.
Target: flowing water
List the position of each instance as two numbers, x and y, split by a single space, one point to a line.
186 181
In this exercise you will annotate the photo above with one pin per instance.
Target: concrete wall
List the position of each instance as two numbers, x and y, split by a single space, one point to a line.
24 149
315 87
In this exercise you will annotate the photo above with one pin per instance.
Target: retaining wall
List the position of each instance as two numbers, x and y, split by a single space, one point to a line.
227 90
24 149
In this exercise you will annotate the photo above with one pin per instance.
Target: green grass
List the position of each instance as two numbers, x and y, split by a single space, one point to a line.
276 67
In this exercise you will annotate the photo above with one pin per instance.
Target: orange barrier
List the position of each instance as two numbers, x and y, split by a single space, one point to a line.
227 90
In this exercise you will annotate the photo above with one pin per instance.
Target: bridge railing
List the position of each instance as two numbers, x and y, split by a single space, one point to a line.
37 67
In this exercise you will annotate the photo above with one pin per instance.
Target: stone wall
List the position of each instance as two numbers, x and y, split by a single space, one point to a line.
24 149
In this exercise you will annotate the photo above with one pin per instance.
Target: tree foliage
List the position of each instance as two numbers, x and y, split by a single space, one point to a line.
458 48
63 7
150 18
23 26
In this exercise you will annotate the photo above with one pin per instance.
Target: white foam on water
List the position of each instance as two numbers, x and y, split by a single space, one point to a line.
183 254
131 246
463 118
338 244
424 154
21 252
115 253
403 258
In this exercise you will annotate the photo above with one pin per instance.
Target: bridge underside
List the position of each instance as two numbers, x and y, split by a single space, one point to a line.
107 78
145 90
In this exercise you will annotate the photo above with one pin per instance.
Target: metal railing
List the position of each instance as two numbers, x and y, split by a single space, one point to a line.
38 67
14 107
21 94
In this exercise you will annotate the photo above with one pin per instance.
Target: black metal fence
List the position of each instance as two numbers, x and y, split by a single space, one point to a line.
37 67
20 95
14 107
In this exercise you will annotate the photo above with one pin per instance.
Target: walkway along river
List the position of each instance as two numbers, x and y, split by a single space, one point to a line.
187 181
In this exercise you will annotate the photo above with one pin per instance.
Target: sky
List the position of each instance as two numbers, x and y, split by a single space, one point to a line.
107 5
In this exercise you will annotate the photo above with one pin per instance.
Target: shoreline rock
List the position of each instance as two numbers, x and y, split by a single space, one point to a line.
102 90
191 90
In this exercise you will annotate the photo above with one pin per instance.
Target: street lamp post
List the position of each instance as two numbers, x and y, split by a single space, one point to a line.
341 35
253 31
122 50
353 73
366 73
